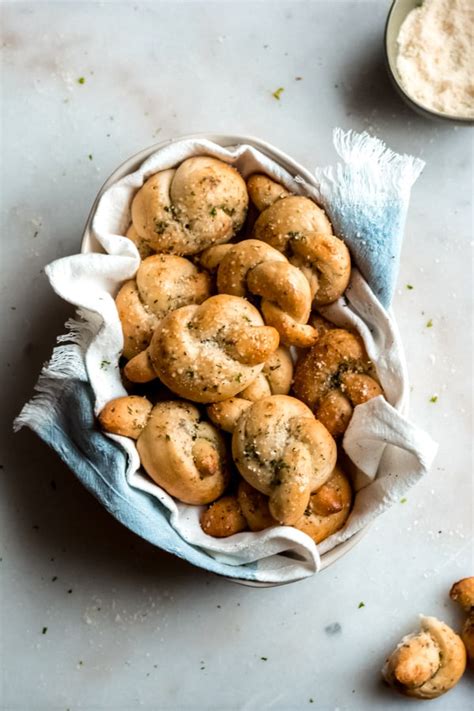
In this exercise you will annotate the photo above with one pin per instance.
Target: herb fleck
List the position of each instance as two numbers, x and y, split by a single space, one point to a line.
277 93
90 156
104 364
81 80
45 629
409 287
434 398
213 211
361 604
264 659
160 226
403 501
429 324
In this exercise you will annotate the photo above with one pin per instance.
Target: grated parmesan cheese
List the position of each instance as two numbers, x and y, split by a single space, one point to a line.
435 56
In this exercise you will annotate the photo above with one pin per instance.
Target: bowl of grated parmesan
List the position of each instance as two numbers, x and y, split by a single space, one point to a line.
429 49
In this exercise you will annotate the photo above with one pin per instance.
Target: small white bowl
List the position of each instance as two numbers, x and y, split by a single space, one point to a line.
396 17
90 244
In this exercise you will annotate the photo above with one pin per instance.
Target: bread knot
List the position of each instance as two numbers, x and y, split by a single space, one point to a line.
300 229
253 268
181 452
210 352
184 210
283 452
334 376
428 663
162 283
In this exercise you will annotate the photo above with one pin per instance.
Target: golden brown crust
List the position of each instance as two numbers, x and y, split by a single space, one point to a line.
284 452
223 518
264 191
462 592
226 414
254 507
210 352
183 211
334 376
427 664
299 228
127 416
467 636
328 509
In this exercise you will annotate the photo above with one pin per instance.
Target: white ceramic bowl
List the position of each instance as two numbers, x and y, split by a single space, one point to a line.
90 244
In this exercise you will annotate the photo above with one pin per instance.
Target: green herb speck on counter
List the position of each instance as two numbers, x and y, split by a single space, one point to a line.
81 80
361 604
278 92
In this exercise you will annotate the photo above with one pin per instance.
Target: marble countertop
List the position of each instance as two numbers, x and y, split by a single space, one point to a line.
92 617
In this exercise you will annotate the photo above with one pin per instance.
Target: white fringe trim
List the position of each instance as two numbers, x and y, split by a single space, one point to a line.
370 171
67 361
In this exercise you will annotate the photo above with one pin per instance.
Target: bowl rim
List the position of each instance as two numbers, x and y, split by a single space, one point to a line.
90 244
390 62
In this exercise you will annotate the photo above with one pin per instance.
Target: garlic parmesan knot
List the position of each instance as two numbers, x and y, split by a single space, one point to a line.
300 229
162 283
428 663
283 452
184 210
462 592
254 268
334 376
210 352
183 454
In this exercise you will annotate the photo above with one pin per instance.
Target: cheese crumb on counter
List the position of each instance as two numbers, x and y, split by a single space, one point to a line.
435 56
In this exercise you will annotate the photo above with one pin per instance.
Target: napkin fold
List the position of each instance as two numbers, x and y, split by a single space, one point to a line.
366 197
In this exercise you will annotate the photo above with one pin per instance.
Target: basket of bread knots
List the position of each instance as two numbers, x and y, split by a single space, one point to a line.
234 387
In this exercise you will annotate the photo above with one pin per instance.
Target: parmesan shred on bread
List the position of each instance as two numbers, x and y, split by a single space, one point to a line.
435 56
